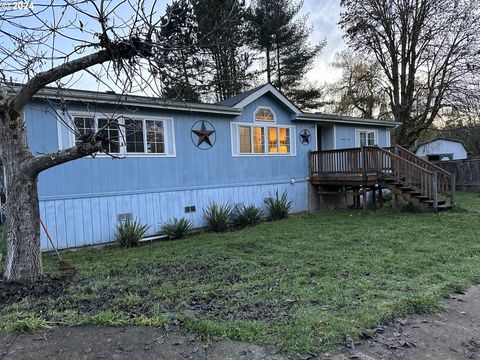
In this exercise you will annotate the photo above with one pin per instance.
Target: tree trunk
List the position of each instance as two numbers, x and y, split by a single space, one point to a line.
24 261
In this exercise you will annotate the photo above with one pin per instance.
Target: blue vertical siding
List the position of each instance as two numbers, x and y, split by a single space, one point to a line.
80 200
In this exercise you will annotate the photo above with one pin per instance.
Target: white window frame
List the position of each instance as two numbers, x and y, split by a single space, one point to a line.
168 131
274 121
234 130
359 131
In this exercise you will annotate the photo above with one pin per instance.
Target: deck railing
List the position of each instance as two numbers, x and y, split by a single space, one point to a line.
396 163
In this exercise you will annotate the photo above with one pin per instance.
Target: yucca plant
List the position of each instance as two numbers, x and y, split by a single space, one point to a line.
249 215
277 206
218 217
129 233
177 228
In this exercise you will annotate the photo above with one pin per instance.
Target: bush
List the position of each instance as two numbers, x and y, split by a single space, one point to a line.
129 233
278 207
247 215
218 217
3 244
177 228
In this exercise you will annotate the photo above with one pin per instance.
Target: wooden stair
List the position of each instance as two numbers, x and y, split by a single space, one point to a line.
416 180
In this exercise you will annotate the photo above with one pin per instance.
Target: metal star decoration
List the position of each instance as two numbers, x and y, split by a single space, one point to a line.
203 135
305 137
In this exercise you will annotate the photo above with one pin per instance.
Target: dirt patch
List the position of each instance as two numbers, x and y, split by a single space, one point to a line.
130 343
49 286
453 334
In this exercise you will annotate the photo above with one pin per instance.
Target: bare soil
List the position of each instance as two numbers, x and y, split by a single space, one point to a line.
454 334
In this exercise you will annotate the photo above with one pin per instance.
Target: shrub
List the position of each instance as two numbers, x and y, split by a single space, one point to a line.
3 244
278 207
129 233
218 217
247 215
177 228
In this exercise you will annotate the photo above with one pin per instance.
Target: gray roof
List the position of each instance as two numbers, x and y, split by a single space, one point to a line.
234 100
319 117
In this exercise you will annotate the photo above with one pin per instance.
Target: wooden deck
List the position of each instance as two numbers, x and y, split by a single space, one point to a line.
418 181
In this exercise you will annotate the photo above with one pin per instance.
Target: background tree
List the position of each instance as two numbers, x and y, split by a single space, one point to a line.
426 49
116 44
226 45
184 60
360 89
282 36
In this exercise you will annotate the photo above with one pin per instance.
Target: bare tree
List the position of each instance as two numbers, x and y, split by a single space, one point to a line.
360 89
427 50
117 44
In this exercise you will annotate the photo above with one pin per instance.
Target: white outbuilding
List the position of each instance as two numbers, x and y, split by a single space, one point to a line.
442 149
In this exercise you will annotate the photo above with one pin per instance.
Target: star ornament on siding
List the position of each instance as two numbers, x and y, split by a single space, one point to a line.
203 134
305 137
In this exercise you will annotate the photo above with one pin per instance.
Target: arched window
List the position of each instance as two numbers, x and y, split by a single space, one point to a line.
264 114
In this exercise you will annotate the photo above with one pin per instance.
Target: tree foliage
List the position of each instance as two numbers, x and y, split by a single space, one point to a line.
282 37
360 88
427 49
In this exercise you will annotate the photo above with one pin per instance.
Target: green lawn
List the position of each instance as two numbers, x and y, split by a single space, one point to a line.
303 283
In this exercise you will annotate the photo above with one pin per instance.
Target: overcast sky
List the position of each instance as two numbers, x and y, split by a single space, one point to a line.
324 16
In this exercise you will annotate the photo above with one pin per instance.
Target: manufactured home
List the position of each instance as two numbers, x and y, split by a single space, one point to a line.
181 157
441 149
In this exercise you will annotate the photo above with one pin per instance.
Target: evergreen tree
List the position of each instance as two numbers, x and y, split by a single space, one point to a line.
184 63
222 30
282 36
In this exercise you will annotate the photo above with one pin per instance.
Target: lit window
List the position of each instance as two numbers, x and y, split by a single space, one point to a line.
284 140
258 140
134 136
155 137
245 139
264 114
273 140
84 126
108 128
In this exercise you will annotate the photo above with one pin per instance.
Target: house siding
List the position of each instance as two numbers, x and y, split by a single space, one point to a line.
80 200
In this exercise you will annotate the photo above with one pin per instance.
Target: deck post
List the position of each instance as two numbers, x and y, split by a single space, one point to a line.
453 189
394 200
380 196
435 191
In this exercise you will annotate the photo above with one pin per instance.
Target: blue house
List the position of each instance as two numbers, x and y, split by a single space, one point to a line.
180 157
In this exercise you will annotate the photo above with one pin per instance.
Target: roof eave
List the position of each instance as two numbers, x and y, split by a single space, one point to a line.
129 100
316 118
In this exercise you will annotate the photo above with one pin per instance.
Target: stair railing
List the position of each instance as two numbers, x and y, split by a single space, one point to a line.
392 166
445 180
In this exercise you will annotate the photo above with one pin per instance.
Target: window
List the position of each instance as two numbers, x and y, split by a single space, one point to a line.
264 114
108 128
366 137
252 140
134 136
84 126
155 137
140 136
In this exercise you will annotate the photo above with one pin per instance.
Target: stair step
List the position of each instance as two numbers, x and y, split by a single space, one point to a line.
430 202
444 207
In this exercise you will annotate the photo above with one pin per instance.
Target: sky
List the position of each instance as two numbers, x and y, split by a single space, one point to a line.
323 16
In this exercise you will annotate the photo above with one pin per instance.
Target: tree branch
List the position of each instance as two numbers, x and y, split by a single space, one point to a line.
40 163
46 77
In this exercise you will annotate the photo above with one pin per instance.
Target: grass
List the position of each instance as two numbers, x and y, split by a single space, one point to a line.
304 283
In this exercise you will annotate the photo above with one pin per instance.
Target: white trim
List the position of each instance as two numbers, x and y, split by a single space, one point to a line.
167 122
316 137
389 139
236 152
59 131
334 137
357 135
274 121
263 90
